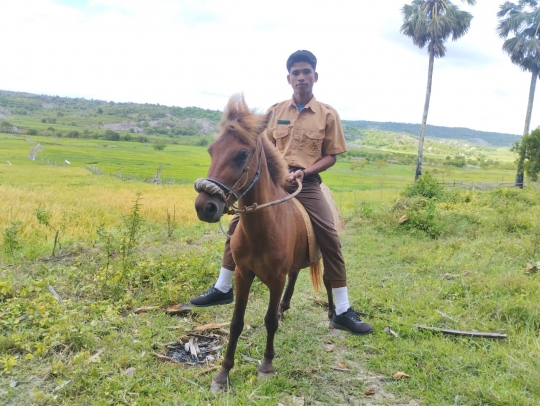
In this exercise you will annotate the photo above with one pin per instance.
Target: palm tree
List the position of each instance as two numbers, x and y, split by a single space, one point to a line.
431 23
523 21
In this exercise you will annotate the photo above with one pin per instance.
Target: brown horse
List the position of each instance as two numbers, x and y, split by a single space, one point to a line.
270 243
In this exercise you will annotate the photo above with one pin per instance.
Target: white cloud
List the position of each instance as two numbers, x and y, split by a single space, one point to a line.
198 53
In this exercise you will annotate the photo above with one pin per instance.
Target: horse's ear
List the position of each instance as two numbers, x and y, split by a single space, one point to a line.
266 120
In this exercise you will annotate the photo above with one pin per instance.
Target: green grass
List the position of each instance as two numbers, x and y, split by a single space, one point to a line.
460 262
130 159
184 164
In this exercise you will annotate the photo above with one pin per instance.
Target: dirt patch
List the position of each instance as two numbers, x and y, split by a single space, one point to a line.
125 126
375 392
206 126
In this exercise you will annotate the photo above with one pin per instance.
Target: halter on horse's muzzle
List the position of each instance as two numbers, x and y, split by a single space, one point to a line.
214 187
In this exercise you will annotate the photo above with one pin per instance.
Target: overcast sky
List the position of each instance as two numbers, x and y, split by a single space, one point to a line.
200 52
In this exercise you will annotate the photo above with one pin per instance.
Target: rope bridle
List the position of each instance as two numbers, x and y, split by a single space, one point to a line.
214 187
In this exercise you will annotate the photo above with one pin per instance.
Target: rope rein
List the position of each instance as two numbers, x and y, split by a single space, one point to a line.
208 186
255 206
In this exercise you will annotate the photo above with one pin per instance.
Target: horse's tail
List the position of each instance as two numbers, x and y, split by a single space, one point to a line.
315 271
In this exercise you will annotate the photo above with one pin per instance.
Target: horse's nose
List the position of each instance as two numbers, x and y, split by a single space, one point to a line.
208 212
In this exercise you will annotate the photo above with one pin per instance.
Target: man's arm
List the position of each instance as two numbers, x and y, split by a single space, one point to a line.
321 165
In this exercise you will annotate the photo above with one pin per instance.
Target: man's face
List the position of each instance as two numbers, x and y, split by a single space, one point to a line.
302 77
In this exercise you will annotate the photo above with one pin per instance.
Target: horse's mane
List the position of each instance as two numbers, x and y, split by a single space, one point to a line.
245 124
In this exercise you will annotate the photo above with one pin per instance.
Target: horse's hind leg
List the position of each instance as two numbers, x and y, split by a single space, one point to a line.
242 284
330 296
289 290
271 322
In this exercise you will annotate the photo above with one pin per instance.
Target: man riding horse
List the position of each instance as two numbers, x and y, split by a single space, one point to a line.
309 136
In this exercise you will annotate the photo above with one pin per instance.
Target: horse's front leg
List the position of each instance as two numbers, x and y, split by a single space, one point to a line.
289 290
330 296
242 284
271 322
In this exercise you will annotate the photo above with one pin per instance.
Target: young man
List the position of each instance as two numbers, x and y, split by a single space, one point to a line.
309 135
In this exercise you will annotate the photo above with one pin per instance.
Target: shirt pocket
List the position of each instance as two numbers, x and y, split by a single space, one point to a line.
283 138
313 141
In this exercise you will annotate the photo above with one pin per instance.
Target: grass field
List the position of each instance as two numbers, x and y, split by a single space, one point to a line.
465 260
184 164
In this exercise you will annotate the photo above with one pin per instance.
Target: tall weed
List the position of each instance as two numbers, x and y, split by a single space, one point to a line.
130 234
11 239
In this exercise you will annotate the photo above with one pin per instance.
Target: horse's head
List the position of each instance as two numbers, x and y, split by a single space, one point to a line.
235 159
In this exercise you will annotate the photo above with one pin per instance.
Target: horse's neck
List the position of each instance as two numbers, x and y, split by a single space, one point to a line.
263 191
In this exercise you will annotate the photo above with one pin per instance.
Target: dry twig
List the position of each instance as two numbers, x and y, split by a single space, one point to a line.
463 333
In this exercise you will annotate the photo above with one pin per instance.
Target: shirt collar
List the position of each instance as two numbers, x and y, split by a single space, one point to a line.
309 105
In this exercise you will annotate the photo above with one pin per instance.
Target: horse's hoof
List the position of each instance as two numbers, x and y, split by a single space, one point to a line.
265 375
217 387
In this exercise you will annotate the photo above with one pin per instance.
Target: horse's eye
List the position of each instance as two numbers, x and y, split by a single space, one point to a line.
242 156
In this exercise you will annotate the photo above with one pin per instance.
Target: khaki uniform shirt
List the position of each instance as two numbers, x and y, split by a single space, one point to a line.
305 137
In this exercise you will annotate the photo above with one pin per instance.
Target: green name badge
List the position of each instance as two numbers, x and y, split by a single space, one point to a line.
284 122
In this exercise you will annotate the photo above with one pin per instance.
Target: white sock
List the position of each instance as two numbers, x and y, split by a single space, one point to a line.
224 281
341 299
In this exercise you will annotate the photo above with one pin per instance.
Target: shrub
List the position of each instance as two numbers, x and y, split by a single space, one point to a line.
422 215
425 186
111 135
159 145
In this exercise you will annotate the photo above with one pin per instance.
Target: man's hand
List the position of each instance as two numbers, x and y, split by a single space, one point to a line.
299 174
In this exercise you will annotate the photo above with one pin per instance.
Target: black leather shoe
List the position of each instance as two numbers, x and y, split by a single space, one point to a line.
213 297
349 321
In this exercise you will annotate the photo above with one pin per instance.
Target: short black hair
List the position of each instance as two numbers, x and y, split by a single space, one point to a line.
301 56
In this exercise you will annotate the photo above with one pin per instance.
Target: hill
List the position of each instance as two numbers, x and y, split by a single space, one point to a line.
30 114
432 131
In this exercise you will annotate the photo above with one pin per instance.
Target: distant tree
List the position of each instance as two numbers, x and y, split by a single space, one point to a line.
432 23
522 20
6 127
160 145
530 147
203 142
358 163
31 131
111 135
100 110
